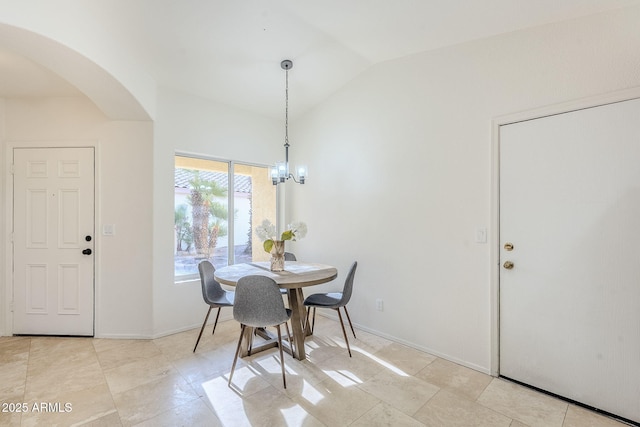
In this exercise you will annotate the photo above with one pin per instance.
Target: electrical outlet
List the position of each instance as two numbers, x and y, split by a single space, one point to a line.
379 304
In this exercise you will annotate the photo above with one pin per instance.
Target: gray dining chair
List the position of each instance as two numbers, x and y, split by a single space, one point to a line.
213 294
258 304
334 300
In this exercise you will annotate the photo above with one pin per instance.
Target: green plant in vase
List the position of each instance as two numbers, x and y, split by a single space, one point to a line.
271 244
267 233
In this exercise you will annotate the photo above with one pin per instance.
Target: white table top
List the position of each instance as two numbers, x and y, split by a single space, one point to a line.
296 274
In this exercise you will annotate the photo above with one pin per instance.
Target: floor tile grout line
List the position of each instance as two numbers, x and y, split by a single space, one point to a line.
254 364
524 389
115 407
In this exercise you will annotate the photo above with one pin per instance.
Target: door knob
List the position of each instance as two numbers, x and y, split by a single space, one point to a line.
86 252
508 265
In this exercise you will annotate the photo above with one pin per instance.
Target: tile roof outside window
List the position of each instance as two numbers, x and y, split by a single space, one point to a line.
242 182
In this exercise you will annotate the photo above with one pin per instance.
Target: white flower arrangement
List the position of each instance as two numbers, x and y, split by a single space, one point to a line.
267 233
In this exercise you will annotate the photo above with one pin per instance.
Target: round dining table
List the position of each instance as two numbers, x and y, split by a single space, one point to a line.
296 276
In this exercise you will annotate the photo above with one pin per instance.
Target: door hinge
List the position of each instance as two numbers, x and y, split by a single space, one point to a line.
12 169
11 307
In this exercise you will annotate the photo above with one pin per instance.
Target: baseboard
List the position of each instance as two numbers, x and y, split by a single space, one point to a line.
123 336
327 314
165 333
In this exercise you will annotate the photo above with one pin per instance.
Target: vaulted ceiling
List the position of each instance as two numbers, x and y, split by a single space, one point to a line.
230 50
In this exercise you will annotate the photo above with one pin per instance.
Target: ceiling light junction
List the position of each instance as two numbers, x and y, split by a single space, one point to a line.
280 172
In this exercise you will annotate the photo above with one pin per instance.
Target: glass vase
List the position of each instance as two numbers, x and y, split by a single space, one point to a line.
277 255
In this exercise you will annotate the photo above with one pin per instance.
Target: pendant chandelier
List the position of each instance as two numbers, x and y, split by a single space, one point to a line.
280 172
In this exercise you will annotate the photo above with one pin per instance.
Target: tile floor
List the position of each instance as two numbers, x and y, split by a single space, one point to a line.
101 382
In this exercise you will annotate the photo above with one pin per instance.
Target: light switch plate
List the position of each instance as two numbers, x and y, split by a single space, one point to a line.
481 235
108 230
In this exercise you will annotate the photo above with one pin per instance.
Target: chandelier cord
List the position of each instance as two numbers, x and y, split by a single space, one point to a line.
286 111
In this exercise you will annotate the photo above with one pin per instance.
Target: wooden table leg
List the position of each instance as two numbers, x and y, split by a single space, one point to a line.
297 319
246 339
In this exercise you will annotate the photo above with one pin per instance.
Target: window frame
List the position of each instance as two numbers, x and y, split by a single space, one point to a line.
230 203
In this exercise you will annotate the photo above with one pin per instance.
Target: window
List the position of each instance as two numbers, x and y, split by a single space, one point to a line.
215 216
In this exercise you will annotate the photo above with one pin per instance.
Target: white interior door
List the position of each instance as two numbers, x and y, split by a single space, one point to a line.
53 220
570 206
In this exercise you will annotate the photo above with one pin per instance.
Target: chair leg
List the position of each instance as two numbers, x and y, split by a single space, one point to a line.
313 322
286 325
235 358
349 319
306 321
202 329
216 322
284 379
344 331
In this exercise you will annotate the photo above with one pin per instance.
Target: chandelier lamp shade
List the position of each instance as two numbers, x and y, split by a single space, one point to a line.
280 172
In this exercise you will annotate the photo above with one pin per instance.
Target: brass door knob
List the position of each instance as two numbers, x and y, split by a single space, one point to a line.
508 265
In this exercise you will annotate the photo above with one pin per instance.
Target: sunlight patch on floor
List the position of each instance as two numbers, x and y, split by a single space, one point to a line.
387 365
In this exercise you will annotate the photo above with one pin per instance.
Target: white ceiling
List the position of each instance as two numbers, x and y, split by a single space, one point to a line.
230 50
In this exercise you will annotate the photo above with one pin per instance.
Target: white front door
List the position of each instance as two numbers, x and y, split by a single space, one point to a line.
570 302
53 241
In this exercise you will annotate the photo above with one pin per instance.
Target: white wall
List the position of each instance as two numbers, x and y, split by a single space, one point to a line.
124 190
188 124
400 171
4 213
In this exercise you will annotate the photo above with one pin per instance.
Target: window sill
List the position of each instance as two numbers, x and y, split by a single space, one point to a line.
186 279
